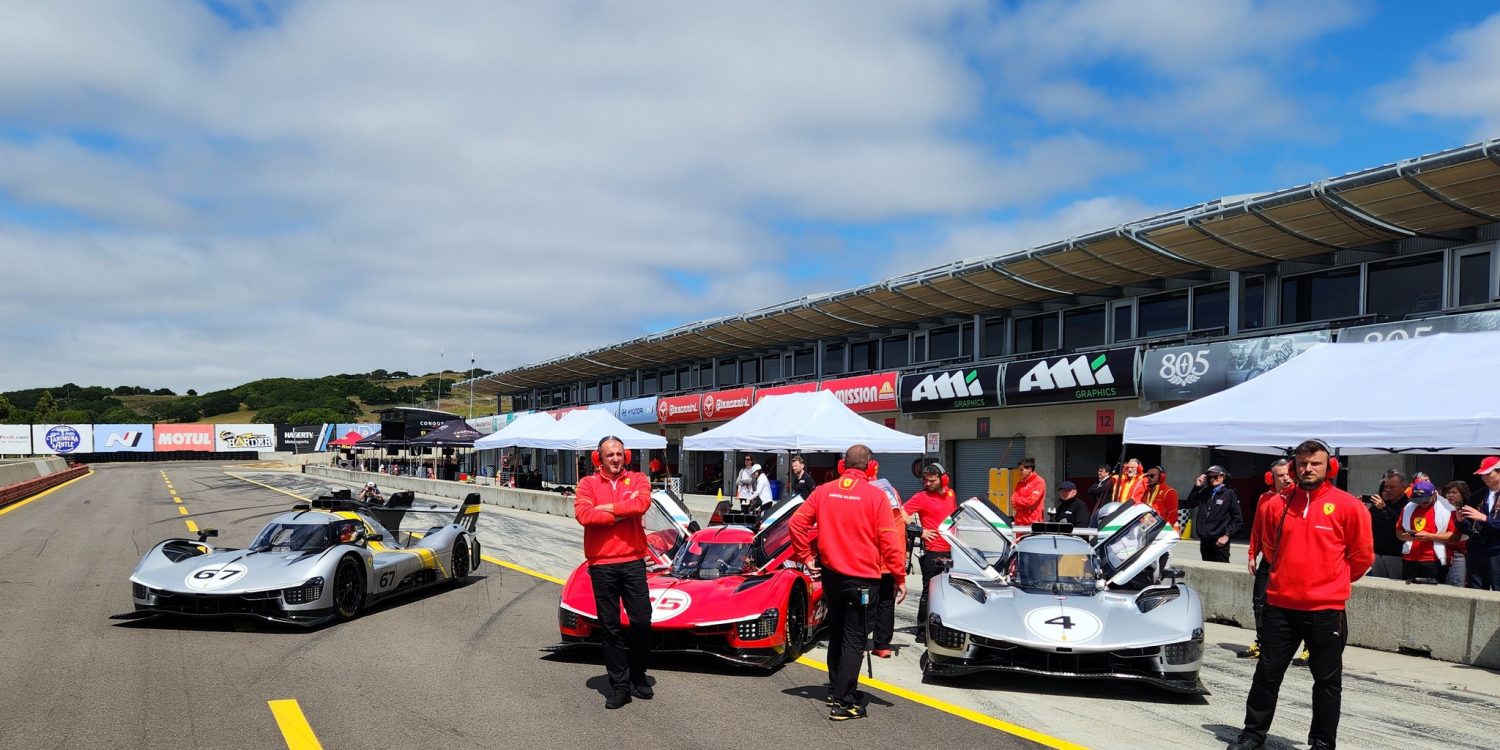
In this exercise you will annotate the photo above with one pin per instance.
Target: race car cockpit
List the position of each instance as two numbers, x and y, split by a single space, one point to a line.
713 559
306 537
1056 565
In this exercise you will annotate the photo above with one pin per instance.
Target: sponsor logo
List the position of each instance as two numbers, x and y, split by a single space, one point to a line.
964 388
668 603
713 405
864 395
1327 509
1071 372
846 483
245 440
63 439
662 409
675 409
1421 524
172 439
297 435
1184 368
124 439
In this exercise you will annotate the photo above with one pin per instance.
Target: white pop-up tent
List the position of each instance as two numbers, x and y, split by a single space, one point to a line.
810 422
1426 395
582 430
525 427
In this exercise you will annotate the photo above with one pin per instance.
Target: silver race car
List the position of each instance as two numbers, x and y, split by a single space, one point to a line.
321 561
1065 602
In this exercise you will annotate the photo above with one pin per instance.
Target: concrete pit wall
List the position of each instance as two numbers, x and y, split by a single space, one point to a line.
21 471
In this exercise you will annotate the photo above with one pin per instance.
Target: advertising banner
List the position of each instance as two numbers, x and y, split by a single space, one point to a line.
1484 320
678 409
245 437
865 393
366 429
1184 373
779 390
185 437
613 407
951 389
1093 376
123 438
720 406
62 439
638 410
302 438
15 439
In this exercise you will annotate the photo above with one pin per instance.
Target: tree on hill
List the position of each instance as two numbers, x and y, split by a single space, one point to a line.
315 416
118 415
6 408
218 402
163 392
70 416
192 392
45 405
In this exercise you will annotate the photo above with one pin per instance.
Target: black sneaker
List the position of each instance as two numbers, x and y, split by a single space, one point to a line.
644 692
859 697
1246 744
920 637
617 698
1302 659
841 712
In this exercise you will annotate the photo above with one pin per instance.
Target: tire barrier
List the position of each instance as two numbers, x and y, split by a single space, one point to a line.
21 490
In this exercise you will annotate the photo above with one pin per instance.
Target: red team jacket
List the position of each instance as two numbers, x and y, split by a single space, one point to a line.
1029 500
931 509
617 537
1318 543
858 535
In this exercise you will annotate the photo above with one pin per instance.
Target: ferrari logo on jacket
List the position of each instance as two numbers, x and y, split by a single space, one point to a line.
846 483
1420 523
1327 509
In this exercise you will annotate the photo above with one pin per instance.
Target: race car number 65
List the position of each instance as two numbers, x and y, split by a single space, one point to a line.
212 577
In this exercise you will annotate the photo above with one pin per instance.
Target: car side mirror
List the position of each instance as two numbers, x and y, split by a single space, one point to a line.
1175 574
207 534
375 538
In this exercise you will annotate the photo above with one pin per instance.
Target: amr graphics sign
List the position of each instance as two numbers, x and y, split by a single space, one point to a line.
124 438
1094 376
951 389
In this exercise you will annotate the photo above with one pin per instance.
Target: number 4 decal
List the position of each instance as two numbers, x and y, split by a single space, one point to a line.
1065 621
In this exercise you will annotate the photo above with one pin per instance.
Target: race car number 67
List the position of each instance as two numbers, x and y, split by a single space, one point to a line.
212 577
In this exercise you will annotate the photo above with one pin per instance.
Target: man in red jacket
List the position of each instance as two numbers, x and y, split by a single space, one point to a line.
858 540
1029 502
1317 540
609 504
931 506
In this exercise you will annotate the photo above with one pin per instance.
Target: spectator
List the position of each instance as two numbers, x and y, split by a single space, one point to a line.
1100 491
1029 501
1425 529
1132 484
744 482
761 496
1457 495
1385 513
1160 496
1481 521
802 482
1317 539
1070 508
1218 513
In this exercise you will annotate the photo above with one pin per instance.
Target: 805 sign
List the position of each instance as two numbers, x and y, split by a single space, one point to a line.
1184 368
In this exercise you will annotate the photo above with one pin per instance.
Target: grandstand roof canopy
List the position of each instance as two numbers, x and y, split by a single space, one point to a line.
1435 196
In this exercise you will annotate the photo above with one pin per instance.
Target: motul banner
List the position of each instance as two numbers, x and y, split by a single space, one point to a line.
779 390
15 439
865 393
61 439
678 409
951 389
1094 376
185 437
719 406
123 438
245 437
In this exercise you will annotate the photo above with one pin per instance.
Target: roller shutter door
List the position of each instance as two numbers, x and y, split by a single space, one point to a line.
973 460
896 468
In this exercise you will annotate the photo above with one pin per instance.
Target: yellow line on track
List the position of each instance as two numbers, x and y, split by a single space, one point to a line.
192 527
294 727
896 690
40 495
263 484
182 509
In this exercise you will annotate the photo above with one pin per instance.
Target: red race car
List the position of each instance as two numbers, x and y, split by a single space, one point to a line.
728 591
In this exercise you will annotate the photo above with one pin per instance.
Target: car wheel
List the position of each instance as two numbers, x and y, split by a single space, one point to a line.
348 589
460 562
796 624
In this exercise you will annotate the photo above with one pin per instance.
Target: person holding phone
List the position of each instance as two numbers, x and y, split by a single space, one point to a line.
1385 513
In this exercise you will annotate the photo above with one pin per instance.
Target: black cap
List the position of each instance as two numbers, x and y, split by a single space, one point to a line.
1067 486
1215 470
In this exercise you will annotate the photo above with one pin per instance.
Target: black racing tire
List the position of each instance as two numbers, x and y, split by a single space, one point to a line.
348 589
796 625
460 565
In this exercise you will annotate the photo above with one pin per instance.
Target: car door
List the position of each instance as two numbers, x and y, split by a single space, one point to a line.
773 542
1132 541
667 524
981 536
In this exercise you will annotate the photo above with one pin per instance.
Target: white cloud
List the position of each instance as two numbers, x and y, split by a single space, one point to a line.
1460 80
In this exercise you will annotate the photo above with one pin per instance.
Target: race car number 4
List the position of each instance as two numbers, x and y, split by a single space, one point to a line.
210 577
1063 624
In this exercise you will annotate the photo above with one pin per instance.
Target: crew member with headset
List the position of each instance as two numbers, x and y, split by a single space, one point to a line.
1317 540
931 506
609 505
1279 480
1219 516
858 540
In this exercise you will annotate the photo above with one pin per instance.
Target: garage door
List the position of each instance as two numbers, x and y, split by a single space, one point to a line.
973 460
896 467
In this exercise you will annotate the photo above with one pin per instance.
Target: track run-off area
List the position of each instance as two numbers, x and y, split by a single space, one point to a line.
462 667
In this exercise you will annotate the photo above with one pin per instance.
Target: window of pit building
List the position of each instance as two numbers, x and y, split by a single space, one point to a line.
1324 295
749 371
668 381
591 392
729 373
1253 303
1162 314
994 337
1124 312
805 362
705 376
1400 287
1471 277
895 351
1211 307
833 359
1083 327
649 384
864 356
1036 333
770 367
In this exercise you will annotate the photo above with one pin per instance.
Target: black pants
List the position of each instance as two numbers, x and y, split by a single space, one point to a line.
624 659
847 618
1434 570
1483 568
1212 552
1258 593
883 620
933 563
1325 632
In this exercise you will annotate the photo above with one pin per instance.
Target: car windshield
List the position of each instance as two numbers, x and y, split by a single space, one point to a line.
1062 565
292 537
699 560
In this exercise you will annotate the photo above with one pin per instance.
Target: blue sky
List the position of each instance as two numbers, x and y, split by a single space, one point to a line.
197 195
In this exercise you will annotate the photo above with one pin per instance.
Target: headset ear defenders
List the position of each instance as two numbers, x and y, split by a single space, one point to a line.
942 473
872 470
594 456
1270 480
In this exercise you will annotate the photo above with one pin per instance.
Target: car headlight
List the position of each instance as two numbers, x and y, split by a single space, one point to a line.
139 591
307 592
1187 651
948 638
567 618
759 628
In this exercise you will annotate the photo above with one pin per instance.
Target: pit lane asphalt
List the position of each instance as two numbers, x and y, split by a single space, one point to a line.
449 668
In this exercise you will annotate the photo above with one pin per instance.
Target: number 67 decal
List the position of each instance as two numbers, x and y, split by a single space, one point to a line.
211 577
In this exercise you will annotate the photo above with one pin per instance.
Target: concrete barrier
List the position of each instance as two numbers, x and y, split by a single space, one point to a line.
1443 622
536 501
15 493
21 471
